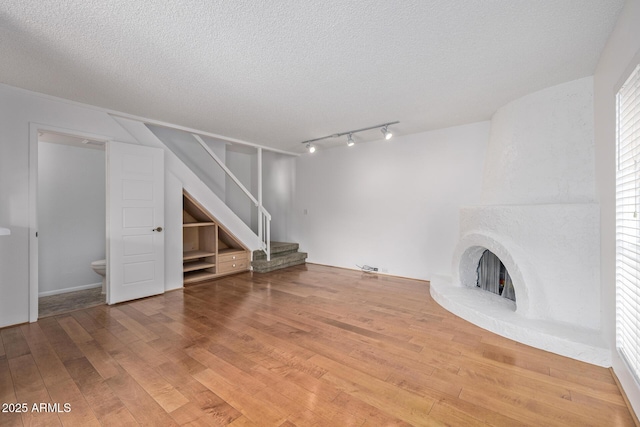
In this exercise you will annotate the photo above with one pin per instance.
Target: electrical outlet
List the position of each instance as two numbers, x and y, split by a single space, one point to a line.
374 269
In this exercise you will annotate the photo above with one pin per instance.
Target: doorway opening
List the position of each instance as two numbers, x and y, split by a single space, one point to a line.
71 218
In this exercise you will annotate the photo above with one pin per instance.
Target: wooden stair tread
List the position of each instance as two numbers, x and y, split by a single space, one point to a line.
198 224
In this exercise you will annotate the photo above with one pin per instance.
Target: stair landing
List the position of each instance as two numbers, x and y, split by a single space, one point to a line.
283 255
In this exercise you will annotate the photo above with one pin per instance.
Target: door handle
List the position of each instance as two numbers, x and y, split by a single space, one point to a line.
158 229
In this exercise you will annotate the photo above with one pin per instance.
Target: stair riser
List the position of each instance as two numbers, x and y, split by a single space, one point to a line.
283 255
279 260
260 255
279 267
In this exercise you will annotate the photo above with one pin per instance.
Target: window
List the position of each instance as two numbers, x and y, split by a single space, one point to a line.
628 221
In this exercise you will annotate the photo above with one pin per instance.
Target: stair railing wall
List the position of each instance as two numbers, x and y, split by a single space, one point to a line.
264 217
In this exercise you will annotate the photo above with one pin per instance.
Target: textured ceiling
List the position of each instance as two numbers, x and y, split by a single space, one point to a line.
277 73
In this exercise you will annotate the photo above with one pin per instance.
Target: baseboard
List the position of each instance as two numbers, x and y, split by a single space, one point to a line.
372 273
624 396
66 290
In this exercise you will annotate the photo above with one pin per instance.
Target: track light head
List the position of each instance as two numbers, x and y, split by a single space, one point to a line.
311 148
385 131
350 141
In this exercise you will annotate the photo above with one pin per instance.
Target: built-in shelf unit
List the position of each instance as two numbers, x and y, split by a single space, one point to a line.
209 250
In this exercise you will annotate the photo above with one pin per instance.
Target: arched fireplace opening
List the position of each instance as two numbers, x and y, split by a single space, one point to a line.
494 277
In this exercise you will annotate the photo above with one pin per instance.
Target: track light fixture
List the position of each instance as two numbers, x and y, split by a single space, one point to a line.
384 128
386 133
350 140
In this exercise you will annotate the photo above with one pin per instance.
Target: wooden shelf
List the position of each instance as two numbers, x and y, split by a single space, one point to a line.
198 276
190 255
208 249
197 265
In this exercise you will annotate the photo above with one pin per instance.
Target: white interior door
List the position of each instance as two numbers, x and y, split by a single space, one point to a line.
135 238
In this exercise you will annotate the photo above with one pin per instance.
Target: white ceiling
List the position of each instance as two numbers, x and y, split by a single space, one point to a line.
277 73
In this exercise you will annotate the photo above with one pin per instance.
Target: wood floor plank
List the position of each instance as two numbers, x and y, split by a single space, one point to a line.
104 363
76 332
142 406
243 422
88 323
108 341
309 346
225 372
3 353
527 408
51 368
603 392
14 344
30 389
244 402
102 315
107 407
133 326
79 412
458 409
614 413
358 409
151 381
8 395
61 343
7 391
208 406
397 402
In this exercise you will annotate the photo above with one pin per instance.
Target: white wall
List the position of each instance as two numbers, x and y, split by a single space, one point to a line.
278 179
278 184
185 146
389 204
19 108
20 113
71 216
620 55
244 166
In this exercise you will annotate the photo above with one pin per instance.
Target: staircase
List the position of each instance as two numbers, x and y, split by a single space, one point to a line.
282 255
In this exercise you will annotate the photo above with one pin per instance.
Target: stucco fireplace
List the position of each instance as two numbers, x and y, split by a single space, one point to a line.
538 215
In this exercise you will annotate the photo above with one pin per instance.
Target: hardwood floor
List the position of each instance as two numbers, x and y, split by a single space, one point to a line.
306 346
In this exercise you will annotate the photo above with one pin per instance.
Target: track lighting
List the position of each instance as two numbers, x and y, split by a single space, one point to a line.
350 140
387 134
384 128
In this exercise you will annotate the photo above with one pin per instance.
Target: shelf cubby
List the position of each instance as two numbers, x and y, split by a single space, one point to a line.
208 249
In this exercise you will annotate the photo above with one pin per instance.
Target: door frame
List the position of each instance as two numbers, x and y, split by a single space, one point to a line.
34 129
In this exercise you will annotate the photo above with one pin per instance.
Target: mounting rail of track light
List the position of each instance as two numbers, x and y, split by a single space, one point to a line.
384 128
